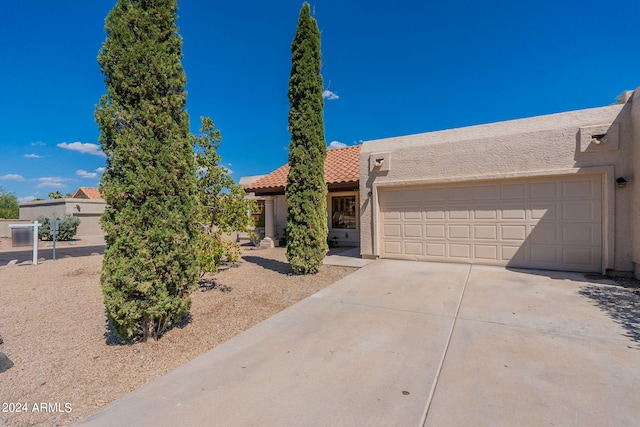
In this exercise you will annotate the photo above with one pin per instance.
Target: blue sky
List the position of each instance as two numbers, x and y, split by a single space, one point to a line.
389 68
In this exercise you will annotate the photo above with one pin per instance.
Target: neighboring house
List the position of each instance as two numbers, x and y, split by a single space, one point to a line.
88 193
86 204
342 174
555 192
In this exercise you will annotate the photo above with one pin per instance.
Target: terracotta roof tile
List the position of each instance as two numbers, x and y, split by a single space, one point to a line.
87 193
341 166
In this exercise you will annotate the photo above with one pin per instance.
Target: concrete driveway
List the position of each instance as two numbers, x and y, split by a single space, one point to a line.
400 343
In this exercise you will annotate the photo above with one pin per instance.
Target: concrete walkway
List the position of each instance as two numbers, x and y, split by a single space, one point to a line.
401 343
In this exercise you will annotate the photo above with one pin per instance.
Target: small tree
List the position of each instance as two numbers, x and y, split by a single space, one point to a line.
223 206
306 189
9 208
149 184
55 195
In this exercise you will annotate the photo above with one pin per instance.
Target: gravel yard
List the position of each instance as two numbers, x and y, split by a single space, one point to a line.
67 364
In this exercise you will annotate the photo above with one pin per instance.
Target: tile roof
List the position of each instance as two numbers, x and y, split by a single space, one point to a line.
342 166
87 193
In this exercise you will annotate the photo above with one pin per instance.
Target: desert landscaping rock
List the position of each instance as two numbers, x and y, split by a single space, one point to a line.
5 363
57 335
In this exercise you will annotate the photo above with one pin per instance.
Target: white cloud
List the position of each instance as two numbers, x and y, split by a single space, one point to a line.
12 177
83 147
33 156
86 174
100 170
26 199
337 144
329 95
51 182
38 144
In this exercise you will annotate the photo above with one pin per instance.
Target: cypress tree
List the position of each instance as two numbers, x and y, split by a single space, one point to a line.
306 190
149 265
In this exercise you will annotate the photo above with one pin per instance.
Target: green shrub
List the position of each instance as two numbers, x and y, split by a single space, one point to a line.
67 227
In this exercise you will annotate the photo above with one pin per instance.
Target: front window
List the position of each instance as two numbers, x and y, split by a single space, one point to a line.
258 216
343 212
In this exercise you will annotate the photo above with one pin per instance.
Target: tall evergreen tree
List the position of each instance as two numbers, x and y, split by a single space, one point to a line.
149 265
306 189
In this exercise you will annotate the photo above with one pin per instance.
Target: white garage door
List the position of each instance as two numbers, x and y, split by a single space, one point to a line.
548 223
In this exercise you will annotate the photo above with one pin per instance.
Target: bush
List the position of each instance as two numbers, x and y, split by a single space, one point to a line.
67 227
214 251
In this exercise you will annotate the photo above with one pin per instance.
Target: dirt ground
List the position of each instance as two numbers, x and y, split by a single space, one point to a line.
67 363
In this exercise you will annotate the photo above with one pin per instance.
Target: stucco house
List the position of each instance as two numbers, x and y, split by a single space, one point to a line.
342 174
86 204
554 192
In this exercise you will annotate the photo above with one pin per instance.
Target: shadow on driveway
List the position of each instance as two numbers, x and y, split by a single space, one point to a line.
620 304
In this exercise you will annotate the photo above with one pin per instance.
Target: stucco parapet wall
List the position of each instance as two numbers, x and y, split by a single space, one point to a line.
53 202
524 145
531 125
67 206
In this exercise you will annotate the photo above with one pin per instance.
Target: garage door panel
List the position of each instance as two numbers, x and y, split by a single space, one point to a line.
412 231
460 251
545 233
489 232
460 194
391 230
459 232
577 256
547 211
544 254
486 192
413 248
512 253
459 214
513 232
436 250
392 248
436 231
544 190
412 216
486 252
513 212
435 194
485 214
434 214
581 211
414 196
551 223
580 189
513 191
582 234
391 215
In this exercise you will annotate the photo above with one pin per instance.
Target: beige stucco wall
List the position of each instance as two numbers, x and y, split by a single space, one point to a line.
556 144
634 175
88 211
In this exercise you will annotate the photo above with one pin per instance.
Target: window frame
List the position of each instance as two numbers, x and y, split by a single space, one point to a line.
356 209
